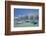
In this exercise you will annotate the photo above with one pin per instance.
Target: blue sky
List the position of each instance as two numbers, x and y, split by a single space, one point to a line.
20 11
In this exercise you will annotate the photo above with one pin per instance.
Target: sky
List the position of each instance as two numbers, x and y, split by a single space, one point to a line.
20 11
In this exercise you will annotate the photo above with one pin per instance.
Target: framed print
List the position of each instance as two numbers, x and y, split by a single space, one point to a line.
24 17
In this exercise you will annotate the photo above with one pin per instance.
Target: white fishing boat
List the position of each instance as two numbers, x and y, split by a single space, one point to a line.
19 22
27 20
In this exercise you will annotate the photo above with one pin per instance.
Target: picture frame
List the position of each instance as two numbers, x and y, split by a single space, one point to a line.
13 9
